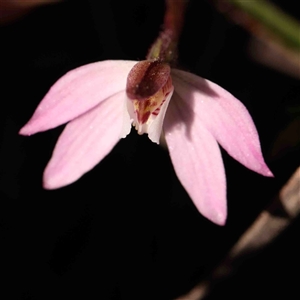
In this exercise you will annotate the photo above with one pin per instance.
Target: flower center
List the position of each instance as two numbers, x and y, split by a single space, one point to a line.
150 107
148 85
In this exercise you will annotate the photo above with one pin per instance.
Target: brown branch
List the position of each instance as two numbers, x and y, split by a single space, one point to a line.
268 225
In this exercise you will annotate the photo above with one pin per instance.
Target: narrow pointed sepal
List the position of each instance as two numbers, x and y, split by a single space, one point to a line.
85 142
77 92
197 161
224 116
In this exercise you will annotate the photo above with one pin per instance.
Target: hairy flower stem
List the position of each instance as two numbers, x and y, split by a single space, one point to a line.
165 47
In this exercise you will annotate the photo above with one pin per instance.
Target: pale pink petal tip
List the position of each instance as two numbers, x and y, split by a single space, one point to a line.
219 218
54 179
27 129
51 182
217 215
266 171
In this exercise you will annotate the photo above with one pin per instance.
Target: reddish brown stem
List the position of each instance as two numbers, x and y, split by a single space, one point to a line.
165 46
174 16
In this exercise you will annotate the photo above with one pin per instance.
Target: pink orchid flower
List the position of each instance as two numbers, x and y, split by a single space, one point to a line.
193 113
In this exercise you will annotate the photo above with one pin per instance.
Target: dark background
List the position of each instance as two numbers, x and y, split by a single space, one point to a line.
108 236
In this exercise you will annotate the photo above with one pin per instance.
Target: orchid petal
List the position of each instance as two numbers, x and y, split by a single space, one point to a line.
197 160
155 127
84 142
77 92
127 119
224 116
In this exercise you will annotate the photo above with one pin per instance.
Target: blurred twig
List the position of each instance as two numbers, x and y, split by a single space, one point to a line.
13 10
273 19
276 35
269 224
275 56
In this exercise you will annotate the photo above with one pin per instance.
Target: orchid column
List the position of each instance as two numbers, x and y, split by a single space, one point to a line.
102 100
